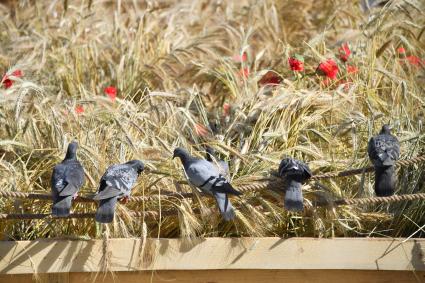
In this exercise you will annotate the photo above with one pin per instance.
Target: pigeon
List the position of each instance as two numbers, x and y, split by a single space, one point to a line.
295 173
67 179
115 184
367 5
384 151
206 176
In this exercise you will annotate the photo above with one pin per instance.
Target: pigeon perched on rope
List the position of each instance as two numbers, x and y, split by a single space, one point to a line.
206 176
295 173
384 151
67 179
116 184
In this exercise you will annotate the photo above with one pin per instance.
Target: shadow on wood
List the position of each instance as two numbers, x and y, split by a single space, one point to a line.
228 276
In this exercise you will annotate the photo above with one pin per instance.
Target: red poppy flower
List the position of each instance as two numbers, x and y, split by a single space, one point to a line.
111 92
329 68
201 130
244 72
7 82
413 60
296 64
352 69
270 78
401 50
17 73
344 52
226 109
238 58
79 109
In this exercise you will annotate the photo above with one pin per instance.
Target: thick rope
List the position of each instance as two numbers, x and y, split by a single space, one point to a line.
156 215
27 216
376 200
266 183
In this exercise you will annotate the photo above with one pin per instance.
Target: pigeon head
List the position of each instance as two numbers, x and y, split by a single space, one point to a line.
386 129
71 153
137 165
180 153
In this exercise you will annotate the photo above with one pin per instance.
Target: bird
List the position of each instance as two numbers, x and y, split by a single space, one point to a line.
367 5
67 179
116 183
384 150
295 173
204 175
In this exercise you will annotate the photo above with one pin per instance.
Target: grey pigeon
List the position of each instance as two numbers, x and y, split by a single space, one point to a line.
115 184
295 173
67 179
384 151
367 5
206 176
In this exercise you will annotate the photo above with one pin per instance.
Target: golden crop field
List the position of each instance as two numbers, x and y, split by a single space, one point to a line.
240 76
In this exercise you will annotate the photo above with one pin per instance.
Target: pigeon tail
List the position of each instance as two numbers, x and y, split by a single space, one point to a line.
62 207
294 196
385 179
226 188
106 210
225 206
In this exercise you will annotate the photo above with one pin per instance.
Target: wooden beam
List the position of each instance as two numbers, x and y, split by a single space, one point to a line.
50 256
226 276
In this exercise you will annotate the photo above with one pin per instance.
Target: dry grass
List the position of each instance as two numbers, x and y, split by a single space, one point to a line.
172 63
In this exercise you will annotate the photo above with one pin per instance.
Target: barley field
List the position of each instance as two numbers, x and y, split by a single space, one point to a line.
136 79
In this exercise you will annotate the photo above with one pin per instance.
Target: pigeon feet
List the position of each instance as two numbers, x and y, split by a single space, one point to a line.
75 196
124 200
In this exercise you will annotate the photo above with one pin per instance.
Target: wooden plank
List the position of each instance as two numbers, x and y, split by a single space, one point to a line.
50 256
234 276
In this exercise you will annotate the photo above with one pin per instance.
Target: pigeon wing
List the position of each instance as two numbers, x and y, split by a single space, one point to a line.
74 179
200 172
118 180
371 150
383 150
206 176
293 167
58 179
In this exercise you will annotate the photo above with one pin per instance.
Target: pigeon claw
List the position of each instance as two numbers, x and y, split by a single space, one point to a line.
124 200
75 196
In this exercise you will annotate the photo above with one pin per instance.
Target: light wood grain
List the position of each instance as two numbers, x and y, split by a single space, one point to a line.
50 256
227 276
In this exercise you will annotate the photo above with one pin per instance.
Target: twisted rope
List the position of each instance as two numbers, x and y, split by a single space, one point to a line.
376 200
275 183
156 215
266 183
27 216
89 198
399 163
